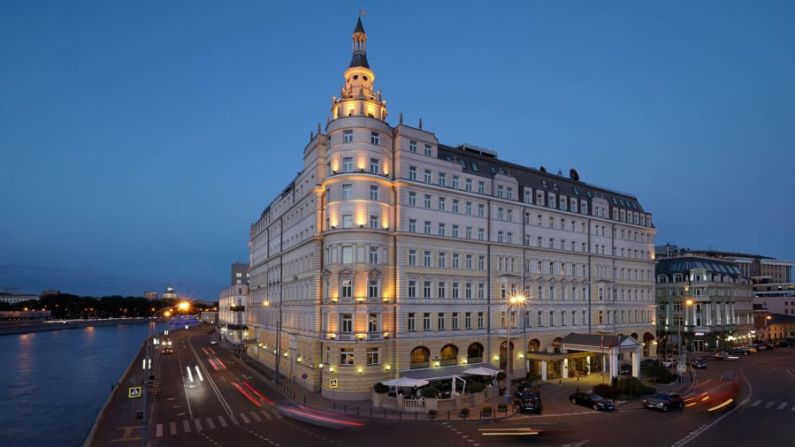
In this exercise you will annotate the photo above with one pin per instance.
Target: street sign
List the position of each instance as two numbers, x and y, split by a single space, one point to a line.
134 392
332 383
681 368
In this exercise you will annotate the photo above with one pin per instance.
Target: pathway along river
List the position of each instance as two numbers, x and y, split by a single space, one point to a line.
54 383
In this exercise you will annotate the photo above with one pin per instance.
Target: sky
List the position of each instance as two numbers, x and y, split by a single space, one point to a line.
139 140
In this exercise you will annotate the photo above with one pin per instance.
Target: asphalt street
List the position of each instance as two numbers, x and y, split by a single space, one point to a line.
207 397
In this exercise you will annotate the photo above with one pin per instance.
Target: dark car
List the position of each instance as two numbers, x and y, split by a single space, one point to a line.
626 370
698 364
592 400
664 401
784 344
737 351
528 401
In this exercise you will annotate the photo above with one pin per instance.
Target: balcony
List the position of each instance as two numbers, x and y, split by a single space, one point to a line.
240 308
237 327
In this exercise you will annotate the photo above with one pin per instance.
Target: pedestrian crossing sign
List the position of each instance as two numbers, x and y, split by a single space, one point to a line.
133 392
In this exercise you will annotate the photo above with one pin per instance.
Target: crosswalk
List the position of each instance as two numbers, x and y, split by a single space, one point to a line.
773 404
212 423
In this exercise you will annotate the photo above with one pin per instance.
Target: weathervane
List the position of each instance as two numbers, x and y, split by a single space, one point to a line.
362 12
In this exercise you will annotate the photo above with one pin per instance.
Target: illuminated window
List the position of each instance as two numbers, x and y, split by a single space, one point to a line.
346 356
347 136
347 164
346 323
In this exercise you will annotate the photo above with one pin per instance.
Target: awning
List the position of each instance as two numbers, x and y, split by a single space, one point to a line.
481 371
440 373
405 382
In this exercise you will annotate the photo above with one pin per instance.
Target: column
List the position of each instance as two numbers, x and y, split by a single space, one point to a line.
565 369
543 370
636 362
588 364
614 362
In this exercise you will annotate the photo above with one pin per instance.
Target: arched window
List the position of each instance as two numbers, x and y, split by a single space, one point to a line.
475 353
449 355
420 357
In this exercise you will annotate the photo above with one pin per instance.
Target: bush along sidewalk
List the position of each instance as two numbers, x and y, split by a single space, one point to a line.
625 389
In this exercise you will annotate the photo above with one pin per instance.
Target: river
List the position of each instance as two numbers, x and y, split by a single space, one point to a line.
54 383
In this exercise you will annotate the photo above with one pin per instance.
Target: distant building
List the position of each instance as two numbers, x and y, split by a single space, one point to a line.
759 269
771 326
232 313
169 294
150 295
776 298
24 315
209 317
707 300
14 298
240 274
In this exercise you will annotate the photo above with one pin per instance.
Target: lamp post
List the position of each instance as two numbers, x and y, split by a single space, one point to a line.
688 302
515 301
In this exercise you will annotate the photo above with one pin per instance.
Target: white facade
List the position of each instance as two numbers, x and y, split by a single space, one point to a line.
232 316
390 252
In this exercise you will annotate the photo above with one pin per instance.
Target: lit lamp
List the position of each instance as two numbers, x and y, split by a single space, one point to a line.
515 301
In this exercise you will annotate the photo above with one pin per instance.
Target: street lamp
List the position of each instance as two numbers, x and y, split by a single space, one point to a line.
515 301
688 303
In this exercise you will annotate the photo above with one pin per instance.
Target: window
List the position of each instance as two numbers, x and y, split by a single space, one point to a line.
468 291
482 187
411 322
347 191
373 356
455 289
469 262
509 237
412 146
427 227
374 138
509 216
427 201
481 234
455 182
499 236
442 228
426 289
481 290
412 257
456 258
442 260
469 208
412 289
347 136
373 255
412 225
468 320
455 205
500 214
346 356
374 192
468 184
481 210
347 164
481 262
373 221
442 290
428 150
442 203
426 321
374 168
412 173
372 288
509 192
440 321
442 179
412 198
469 232
480 320
500 189
347 255
346 288
427 258
347 221
346 323
427 176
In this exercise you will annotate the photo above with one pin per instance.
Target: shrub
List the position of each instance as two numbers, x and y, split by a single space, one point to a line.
430 392
502 407
464 413
485 411
660 374
606 391
474 387
380 388
633 387
500 376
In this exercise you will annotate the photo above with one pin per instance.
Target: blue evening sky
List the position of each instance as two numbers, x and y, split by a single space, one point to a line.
139 140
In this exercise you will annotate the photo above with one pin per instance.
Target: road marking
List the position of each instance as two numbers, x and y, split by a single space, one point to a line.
245 419
198 423
159 431
255 416
277 415
210 423
222 421
268 416
233 419
756 403
173 428
782 405
186 425
769 404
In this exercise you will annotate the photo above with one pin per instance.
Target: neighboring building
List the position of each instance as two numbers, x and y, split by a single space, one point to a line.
771 326
209 317
15 298
759 269
392 254
14 315
232 313
721 302
778 298
240 274
150 295
169 294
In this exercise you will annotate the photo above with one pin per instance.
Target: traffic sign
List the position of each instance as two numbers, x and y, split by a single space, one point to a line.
133 392
681 368
332 383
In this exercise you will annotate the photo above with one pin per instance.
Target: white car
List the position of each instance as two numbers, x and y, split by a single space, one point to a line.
213 342
670 363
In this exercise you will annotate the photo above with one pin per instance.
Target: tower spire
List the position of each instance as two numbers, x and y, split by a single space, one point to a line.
359 58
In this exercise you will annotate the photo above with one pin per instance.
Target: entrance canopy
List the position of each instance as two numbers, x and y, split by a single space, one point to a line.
405 382
598 343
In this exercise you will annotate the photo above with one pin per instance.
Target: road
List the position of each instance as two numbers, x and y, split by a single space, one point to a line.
226 403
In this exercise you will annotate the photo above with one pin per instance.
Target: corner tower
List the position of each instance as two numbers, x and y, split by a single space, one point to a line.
358 97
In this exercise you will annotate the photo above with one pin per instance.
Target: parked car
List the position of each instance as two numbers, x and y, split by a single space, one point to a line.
648 363
785 344
592 400
670 362
736 351
166 350
213 341
528 401
698 364
664 401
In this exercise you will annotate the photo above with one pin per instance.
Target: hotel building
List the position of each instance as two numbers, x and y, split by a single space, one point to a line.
393 254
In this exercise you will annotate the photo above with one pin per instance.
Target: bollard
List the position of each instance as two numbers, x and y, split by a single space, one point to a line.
357 410
415 415
400 415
